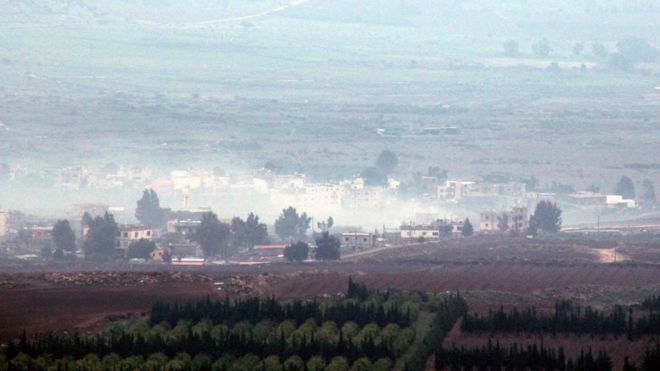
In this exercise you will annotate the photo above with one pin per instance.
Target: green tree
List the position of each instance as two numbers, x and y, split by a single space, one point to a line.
542 48
297 251
649 191
387 161
468 229
599 50
140 249
511 48
213 236
626 188
637 50
326 225
361 364
316 363
338 363
374 177
382 364
291 226
248 232
148 210
272 363
546 217
100 241
63 236
327 247
294 363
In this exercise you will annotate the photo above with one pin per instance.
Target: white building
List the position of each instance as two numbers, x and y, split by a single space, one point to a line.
454 190
358 240
130 233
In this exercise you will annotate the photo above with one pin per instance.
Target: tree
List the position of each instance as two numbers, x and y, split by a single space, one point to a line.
326 225
649 191
637 50
327 247
599 50
63 236
374 177
542 48
148 210
249 232
289 225
578 48
100 242
626 188
503 222
297 251
468 229
86 219
140 249
213 236
511 48
387 161
546 217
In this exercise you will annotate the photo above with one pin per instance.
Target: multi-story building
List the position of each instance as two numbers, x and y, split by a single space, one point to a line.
131 233
516 219
358 240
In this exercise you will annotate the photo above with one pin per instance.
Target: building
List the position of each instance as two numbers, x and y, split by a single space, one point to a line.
358 240
129 234
454 190
435 230
516 219
186 227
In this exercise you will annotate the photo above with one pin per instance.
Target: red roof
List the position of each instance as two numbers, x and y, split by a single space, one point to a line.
269 247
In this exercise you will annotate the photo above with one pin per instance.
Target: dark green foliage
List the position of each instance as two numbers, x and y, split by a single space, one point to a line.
297 251
374 177
63 236
357 290
387 161
213 236
567 318
626 188
518 357
100 240
327 247
140 249
511 48
248 232
649 191
546 217
149 212
468 229
651 303
448 312
290 225
637 50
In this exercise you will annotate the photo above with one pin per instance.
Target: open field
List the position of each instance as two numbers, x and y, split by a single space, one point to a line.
85 300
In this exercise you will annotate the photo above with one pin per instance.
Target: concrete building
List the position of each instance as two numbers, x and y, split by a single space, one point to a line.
516 219
436 230
454 190
358 240
130 233
183 227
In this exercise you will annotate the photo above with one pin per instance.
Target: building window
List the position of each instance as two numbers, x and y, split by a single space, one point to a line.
125 234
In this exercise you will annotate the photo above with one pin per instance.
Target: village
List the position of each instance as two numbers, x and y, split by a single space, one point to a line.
356 213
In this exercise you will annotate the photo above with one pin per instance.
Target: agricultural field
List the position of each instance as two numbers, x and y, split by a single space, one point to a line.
364 330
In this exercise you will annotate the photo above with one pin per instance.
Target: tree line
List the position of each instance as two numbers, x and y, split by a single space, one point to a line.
566 318
519 357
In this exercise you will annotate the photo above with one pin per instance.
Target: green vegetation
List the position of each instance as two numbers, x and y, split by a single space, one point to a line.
517 357
368 330
546 218
327 247
290 225
213 236
297 251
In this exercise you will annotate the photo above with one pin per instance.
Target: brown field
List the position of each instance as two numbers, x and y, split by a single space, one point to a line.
508 272
617 347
